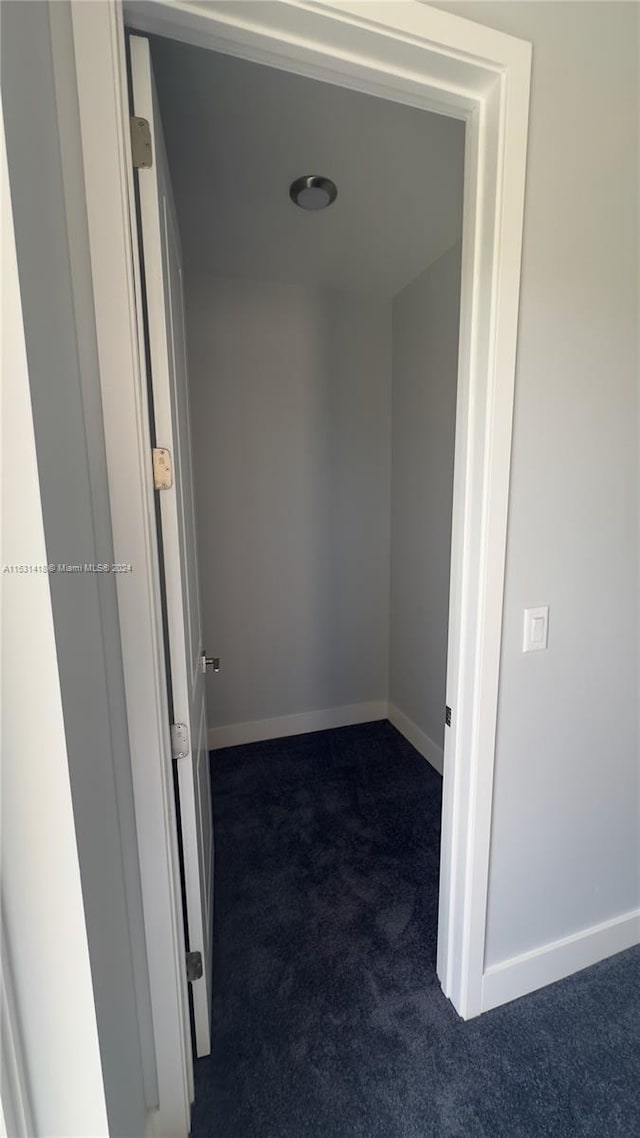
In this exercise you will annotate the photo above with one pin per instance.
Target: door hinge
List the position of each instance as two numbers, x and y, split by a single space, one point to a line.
141 148
209 663
194 966
162 468
179 740
447 715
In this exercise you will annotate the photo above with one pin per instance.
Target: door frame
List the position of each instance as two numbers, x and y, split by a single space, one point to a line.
409 52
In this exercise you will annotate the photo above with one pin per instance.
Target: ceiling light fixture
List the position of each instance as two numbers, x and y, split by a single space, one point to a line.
313 192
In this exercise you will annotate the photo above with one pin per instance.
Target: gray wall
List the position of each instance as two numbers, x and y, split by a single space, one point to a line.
51 1070
42 133
291 413
425 361
565 848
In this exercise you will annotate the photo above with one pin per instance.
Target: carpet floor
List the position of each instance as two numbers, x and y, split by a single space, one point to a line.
328 1019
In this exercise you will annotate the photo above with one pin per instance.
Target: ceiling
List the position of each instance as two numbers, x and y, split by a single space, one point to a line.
238 133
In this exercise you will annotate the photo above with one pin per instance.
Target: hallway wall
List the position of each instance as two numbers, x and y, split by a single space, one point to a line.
565 843
424 384
291 390
56 1080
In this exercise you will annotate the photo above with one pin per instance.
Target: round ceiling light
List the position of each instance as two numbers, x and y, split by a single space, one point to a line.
313 192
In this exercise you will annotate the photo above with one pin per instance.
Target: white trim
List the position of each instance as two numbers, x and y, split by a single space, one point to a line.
236 734
17 1110
104 114
418 738
521 974
406 51
479 524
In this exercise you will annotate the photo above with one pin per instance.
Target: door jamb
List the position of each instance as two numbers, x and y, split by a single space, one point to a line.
99 44
405 51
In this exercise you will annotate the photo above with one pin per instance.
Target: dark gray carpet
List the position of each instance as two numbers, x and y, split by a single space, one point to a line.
328 1020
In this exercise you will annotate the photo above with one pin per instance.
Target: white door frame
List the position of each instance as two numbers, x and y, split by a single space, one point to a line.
411 53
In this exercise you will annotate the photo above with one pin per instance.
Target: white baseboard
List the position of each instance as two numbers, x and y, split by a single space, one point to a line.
236 734
522 974
418 739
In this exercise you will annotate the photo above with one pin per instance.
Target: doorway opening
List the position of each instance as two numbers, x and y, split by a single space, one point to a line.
322 349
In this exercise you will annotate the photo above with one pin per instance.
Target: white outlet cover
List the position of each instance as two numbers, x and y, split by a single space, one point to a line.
536 629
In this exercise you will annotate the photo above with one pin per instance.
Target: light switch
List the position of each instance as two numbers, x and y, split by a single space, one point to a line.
536 629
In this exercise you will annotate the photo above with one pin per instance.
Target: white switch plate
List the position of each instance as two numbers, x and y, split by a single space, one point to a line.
536 629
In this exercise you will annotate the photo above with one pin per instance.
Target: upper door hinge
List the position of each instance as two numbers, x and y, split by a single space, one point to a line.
141 147
162 468
447 715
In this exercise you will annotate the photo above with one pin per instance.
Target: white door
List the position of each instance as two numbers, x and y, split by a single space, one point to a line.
169 382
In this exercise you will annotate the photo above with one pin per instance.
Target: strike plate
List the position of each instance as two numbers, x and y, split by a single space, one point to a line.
162 468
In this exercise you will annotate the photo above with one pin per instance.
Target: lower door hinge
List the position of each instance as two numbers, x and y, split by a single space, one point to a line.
447 715
179 740
194 966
